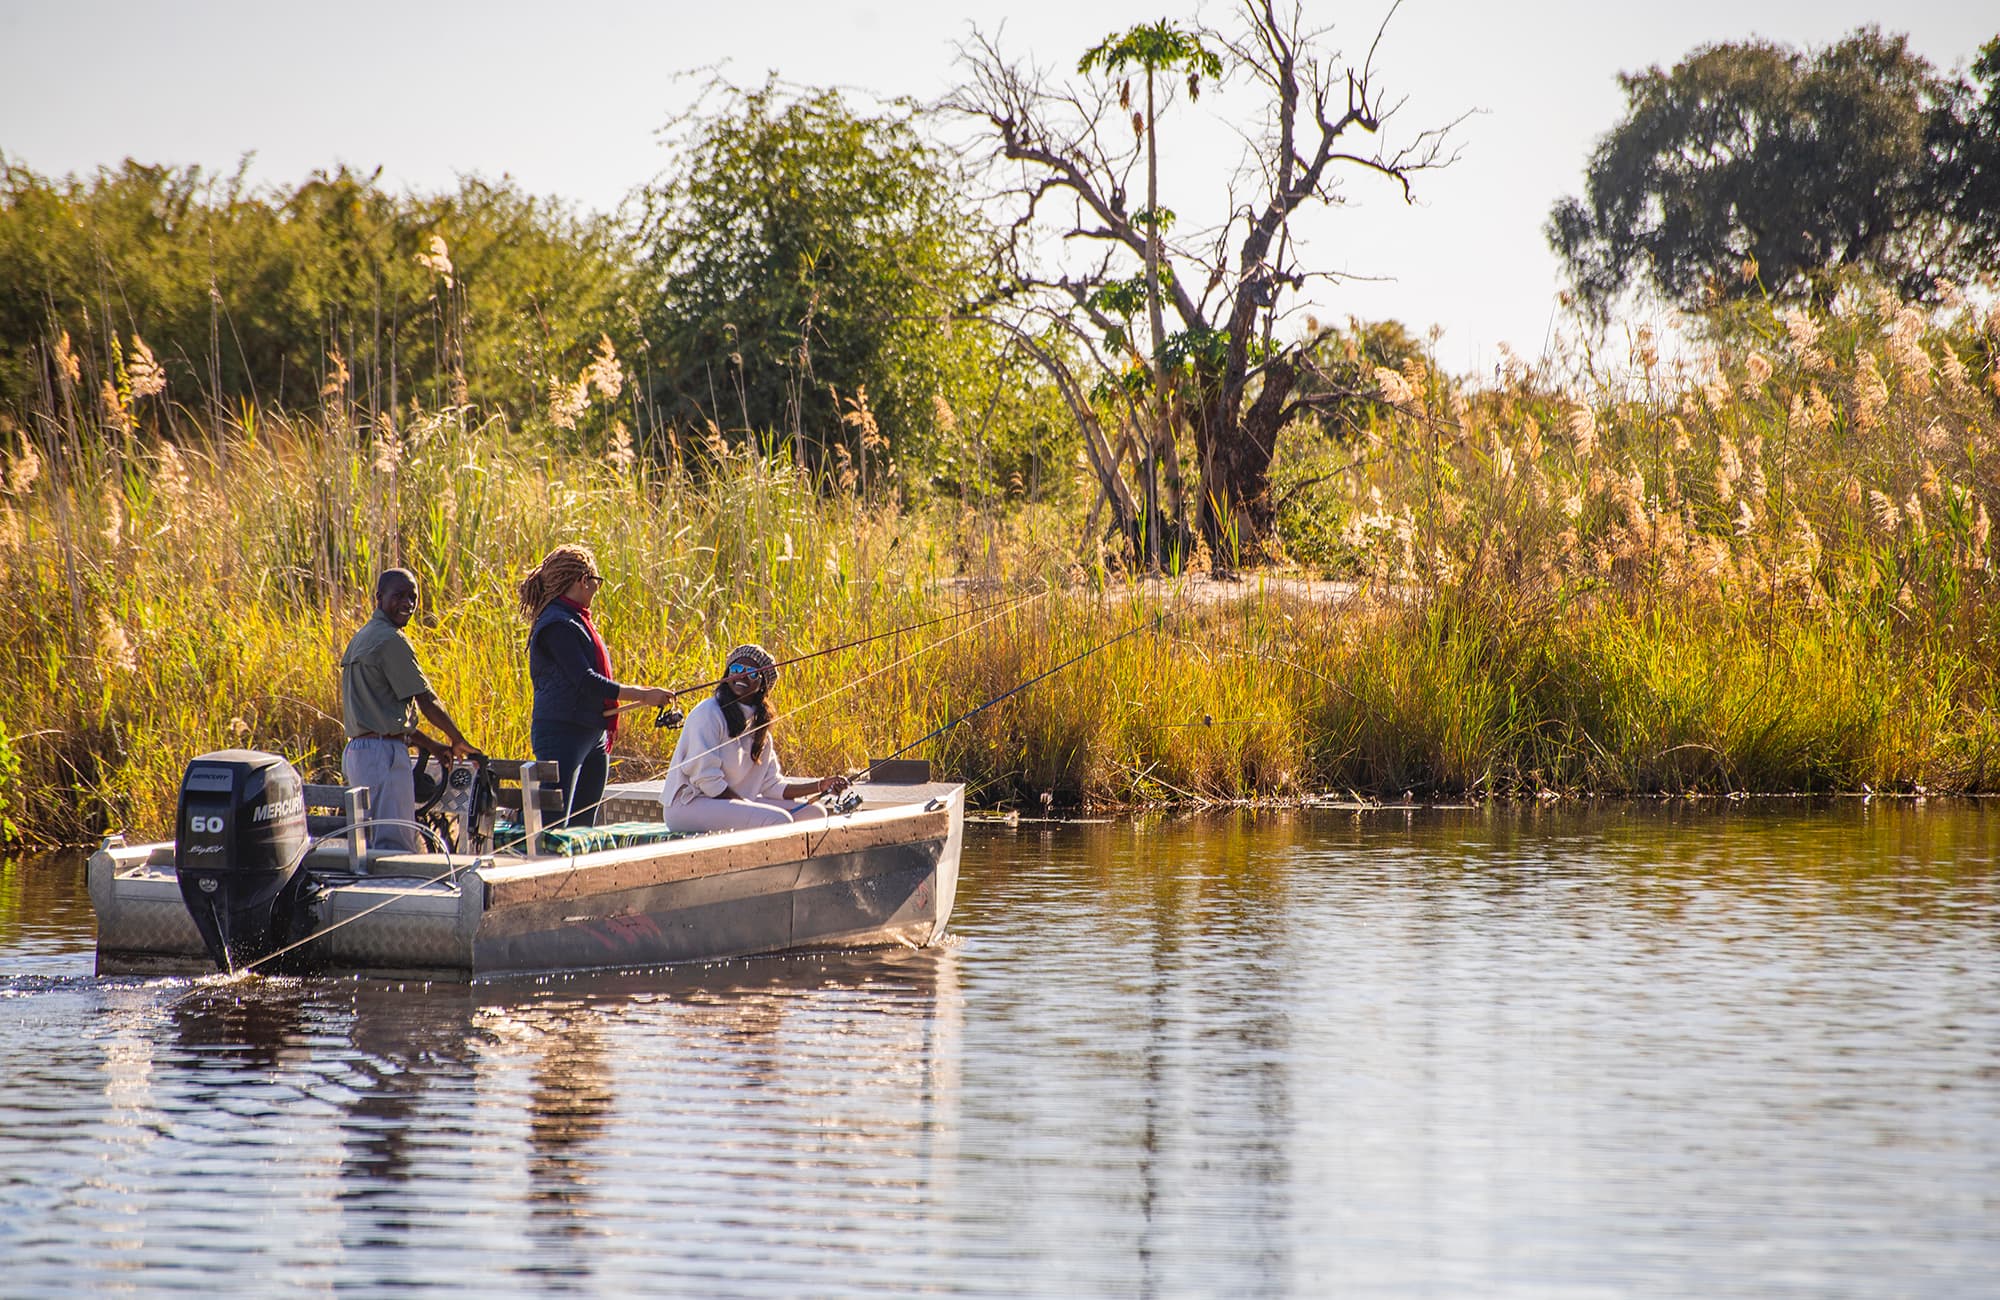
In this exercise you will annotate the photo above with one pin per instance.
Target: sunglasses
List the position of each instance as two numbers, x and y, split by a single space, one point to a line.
742 670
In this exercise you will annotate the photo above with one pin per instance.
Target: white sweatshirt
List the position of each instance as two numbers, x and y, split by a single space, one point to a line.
707 762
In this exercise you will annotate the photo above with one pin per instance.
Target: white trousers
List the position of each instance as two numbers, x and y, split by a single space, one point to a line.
702 813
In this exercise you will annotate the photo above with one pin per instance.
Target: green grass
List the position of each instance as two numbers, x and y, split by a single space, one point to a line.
1713 583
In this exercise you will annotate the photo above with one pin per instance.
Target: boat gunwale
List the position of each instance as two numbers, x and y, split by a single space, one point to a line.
516 879
927 820
714 853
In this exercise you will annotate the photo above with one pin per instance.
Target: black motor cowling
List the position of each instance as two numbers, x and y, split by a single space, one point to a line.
239 835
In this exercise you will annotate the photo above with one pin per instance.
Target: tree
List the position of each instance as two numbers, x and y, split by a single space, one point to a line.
1223 371
330 292
1965 145
804 257
1155 48
1755 167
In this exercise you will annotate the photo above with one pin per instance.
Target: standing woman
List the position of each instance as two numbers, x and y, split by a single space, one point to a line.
725 775
576 700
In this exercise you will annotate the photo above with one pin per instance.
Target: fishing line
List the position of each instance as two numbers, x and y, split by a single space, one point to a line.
1207 720
849 645
843 689
1156 621
1263 656
451 868
838 690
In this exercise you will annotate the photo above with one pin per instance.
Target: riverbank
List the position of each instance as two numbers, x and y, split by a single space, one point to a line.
1769 572
1274 692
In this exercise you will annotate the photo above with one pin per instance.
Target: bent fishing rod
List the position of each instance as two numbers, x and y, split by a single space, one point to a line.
840 801
665 717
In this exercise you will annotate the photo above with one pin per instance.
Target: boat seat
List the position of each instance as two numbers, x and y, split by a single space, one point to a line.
326 808
507 774
568 841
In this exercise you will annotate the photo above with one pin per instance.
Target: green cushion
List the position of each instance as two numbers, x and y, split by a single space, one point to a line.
572 840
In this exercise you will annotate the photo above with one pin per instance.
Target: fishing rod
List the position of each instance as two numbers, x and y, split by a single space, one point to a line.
920 651
836 803
835 649
1157 621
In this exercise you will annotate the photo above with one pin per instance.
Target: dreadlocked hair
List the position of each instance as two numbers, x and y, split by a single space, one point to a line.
553 576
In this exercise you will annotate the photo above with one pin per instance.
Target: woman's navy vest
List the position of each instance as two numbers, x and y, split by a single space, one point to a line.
568 688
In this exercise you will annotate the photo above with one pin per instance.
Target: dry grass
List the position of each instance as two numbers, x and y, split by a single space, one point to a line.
1771 573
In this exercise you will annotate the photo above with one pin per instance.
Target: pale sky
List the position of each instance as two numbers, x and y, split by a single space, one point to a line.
567 99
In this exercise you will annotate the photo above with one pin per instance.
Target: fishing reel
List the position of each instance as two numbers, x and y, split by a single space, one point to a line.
669 716
839 805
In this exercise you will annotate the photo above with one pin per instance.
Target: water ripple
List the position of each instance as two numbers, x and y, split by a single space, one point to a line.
1502 1053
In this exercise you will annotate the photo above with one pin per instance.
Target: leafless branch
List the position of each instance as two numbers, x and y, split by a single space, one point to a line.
1322 118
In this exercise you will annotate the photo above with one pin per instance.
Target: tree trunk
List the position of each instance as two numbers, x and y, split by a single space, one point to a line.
1236 447
1156 544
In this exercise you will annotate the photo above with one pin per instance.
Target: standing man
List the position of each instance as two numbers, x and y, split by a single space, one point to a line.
381 691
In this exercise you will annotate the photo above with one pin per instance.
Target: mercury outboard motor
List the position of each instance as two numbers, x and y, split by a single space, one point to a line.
239 835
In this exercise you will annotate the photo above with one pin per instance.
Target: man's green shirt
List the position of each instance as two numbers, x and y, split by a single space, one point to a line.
380 680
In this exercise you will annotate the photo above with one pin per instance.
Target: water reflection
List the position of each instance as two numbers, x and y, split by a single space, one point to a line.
1491 1035
1601 1050
422 1135
406 1044
569 1110
238 1027
1228 1076
44 910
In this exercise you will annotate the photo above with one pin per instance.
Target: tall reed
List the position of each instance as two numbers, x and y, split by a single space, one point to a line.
1768 571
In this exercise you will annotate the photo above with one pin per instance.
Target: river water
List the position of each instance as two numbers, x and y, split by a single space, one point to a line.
1614 1051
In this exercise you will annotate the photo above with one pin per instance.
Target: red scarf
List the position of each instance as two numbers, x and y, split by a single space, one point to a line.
603 666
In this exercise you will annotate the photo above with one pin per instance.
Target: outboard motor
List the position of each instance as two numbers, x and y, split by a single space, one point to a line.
239 835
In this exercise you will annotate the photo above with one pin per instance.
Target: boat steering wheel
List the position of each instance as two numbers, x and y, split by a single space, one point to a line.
431 778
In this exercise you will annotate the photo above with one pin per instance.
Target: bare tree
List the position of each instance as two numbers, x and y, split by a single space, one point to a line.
1064 153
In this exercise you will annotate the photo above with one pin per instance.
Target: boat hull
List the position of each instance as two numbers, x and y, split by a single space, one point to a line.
885 895
884 876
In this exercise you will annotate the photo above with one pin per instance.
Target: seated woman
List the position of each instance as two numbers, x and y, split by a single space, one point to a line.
725 775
